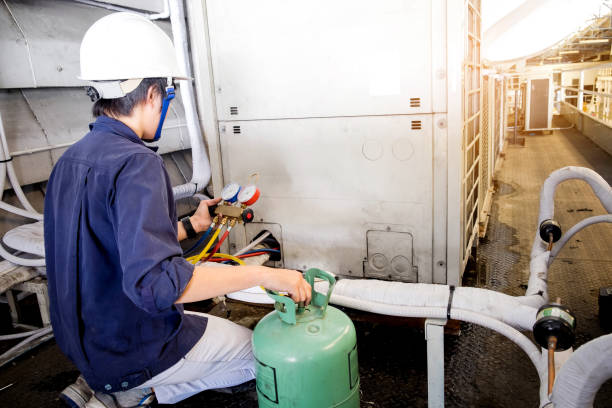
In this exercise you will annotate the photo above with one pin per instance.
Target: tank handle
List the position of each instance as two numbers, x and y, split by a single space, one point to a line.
319 299
286 307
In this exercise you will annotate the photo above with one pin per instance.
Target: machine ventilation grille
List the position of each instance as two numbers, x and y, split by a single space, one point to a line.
236 130
233 110
415 102
416 124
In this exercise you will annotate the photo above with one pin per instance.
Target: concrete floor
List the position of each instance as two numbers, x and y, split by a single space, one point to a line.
482 368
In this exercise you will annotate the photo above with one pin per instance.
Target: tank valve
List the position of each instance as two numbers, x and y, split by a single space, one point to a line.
550 230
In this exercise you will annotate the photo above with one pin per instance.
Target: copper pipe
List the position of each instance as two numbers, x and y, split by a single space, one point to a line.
552 345
550 241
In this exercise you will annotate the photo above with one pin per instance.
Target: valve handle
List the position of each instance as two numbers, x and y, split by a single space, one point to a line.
286 307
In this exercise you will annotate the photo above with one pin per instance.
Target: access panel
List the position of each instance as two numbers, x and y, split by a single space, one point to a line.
328 182
318 58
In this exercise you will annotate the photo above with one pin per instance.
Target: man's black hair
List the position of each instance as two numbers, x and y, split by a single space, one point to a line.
124 106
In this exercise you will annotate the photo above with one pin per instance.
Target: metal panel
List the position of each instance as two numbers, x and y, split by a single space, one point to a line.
156 6
327 181
43 118
24 132
390 256
40 41
296 59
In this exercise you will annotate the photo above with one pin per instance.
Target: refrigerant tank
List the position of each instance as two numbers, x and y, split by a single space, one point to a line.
306 356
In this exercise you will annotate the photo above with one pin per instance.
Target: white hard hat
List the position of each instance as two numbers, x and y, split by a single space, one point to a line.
121 49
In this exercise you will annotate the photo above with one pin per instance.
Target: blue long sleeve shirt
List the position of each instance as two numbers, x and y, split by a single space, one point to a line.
114 264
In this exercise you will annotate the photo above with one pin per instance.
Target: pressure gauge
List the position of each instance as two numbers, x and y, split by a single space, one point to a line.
249 195
230 192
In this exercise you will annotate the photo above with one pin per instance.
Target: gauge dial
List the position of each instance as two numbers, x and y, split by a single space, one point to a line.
230 192
249 195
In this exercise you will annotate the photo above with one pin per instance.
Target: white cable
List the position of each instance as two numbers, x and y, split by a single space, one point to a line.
20 335
21 261
577 227
29 211
253 244
33 337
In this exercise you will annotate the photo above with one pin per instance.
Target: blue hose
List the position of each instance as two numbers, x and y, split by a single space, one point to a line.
200 241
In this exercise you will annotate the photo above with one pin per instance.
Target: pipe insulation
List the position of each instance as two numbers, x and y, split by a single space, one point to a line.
583 374
541 259
7 168
507 309
440 313
547 195
201 165
572 231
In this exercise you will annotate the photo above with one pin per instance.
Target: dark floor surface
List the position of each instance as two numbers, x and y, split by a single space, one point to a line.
482 369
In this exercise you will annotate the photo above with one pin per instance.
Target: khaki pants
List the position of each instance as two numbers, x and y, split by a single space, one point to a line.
221 358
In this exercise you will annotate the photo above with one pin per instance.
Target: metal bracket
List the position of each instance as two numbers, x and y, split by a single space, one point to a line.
434 334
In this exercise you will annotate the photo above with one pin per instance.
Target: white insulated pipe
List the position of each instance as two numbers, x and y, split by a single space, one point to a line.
572 231
505 308
8 168
440 313
583 374
201 166
537 288
547 195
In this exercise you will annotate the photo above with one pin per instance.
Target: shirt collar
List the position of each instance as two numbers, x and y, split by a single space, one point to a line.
107 124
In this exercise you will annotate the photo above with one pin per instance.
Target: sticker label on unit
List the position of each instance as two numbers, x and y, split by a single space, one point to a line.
353 367
266 382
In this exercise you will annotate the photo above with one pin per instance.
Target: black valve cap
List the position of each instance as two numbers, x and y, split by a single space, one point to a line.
248 216
558 321
548 227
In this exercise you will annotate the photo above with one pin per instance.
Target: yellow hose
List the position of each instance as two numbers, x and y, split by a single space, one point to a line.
230 257
194 259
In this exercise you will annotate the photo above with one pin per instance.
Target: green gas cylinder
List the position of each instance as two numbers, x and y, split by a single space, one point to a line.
306 357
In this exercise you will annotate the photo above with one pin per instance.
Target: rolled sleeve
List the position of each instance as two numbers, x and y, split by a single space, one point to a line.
154 272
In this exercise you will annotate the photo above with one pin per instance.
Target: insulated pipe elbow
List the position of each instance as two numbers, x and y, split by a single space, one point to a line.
600 187
583 374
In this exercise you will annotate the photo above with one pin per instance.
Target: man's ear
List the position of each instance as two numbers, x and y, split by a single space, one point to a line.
152 95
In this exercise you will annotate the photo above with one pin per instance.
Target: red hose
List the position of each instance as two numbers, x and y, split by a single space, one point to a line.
216 248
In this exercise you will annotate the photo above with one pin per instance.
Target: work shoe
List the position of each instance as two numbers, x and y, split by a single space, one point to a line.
76 395
247 389
124 399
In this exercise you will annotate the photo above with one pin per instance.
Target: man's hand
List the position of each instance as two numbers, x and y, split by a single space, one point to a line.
286 280
201 220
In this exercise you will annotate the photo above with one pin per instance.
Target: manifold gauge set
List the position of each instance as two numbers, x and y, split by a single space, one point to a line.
235 202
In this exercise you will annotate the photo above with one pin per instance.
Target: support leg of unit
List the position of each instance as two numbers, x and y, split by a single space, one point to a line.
43 306
434 334
13 305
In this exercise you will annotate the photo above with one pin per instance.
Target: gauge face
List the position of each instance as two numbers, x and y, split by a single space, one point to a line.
248 195
230 192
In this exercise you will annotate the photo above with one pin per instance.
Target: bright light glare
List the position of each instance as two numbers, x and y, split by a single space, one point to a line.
541 28
594 41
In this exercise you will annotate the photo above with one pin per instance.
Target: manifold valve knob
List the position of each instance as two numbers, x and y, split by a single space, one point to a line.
548 227
248 216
